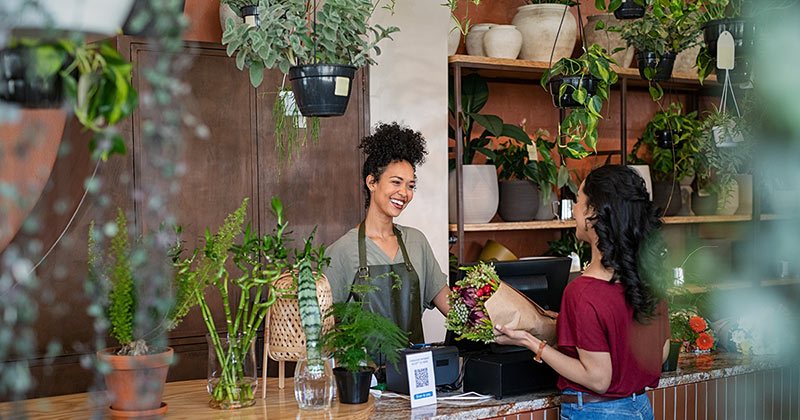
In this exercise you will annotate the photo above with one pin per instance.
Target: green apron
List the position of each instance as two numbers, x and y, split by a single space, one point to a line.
397 296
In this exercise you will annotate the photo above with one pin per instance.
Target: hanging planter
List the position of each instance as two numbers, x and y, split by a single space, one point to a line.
743 32
563 98
322 90
661 65
664 139
629 10
29 76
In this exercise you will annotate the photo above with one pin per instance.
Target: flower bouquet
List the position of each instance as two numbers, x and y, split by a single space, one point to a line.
481 298
692 330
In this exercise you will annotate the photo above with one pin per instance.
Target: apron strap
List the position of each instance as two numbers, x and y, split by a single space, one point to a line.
363 269
400 242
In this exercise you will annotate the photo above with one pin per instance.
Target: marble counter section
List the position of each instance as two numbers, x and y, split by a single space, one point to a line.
691 368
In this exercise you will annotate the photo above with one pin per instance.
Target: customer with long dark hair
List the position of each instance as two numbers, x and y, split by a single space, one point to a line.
613 329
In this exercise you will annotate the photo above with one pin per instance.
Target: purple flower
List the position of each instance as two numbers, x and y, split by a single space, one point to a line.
476 316
468 297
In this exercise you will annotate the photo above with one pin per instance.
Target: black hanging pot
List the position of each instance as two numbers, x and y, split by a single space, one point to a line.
629 10
743 32
704 205
322 90
250 15
672 360
663 138
648 59
667 197
21 83
353 387
566 100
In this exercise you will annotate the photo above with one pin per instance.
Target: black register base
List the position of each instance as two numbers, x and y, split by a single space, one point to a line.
507 374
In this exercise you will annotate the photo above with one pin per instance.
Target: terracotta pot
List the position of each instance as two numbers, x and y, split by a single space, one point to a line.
502 41
474 38
539 25
608 40
667 197
519 201
136 383
481 195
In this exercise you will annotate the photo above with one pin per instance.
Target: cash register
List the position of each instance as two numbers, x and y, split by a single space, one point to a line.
503 371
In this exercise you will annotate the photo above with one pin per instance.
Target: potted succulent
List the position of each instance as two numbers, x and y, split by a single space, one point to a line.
357 335
659 36
716 17
138 368
259 261
670 140
582 83
94 77
479 207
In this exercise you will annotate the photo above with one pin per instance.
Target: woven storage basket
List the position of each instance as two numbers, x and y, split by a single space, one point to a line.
285 339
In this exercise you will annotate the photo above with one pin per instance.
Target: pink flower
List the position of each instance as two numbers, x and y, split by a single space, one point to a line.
468 296
476 316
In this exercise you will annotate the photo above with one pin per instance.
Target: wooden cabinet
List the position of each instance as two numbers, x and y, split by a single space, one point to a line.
321 187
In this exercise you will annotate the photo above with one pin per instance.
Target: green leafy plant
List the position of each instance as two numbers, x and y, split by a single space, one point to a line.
359 333
113 275
307 269
719 9
580 126
723 150
292 33
288 121
674 161
462 25
474 95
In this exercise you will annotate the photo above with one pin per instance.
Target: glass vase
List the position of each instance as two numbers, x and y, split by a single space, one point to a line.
232 378
313 385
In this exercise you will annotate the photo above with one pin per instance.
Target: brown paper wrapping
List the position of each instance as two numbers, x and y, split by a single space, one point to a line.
512 309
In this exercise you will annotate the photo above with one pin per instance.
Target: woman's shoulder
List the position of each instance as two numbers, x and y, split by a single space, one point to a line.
345 242
411 234
591 288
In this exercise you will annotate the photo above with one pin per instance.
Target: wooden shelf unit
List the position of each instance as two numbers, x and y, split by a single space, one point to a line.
567 224
694 288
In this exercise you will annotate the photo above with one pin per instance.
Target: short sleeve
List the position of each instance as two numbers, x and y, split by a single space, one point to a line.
583 328
435 280
340 272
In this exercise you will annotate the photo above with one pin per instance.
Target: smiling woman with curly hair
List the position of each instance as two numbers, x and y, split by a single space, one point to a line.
613 329
395 261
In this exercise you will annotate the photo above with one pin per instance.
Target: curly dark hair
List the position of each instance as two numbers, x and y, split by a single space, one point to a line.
628 225
390 143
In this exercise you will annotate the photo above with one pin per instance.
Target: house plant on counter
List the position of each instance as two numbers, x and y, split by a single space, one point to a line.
356 336
481 196
670 140
137 370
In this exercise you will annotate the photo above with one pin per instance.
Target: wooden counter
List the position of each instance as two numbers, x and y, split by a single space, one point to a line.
716 386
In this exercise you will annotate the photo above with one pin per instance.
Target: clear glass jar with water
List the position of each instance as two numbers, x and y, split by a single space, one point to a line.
314 386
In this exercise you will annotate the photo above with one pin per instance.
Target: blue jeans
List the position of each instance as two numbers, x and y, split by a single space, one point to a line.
633 407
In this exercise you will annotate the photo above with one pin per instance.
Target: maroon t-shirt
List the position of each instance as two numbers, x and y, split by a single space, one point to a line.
595 317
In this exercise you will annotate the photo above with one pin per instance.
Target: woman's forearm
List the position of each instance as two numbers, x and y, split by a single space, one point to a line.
592 369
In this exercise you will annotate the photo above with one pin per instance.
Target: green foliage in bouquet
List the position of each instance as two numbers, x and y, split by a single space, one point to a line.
467 317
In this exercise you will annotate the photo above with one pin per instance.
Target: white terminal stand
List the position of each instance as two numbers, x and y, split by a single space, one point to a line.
421 380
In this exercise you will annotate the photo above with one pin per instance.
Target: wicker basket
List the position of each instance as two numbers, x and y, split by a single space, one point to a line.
284 337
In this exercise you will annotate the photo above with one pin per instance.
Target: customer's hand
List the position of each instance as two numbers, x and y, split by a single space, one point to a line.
515 337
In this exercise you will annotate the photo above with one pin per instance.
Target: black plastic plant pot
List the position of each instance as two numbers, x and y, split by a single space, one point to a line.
704 205
742 30
566 100
250 15
667 197
20 84
672 360
322 90
664 138
353 386
629 10
663 66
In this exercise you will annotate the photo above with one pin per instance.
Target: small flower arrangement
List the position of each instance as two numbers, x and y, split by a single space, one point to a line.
761 333
468 316
692 330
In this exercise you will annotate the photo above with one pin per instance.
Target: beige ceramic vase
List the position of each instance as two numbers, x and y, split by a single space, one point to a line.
539 24
608 40
474 38
502 41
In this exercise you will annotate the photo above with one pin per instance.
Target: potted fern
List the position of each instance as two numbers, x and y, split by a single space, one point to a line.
138 370
356 336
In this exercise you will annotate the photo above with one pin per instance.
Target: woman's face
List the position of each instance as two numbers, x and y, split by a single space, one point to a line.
580 211
394 190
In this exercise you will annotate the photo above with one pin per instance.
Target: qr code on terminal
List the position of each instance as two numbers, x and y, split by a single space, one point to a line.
421 377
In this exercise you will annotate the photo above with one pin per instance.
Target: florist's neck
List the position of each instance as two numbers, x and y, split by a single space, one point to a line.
596 268
378 223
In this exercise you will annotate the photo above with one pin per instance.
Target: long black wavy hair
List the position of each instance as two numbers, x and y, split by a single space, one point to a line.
390 143
628 225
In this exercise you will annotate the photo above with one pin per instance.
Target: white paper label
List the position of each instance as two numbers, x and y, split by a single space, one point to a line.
250 20
725 51
342 86
421 380
290 108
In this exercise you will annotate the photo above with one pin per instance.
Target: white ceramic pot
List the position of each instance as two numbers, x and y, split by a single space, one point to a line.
102 17
481 194
539 26
644 172
474 39
608 40
226 12
686 61
502 41
728 199
745 193
453 39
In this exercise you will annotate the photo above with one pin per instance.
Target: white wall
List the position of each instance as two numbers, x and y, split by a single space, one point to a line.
409 85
